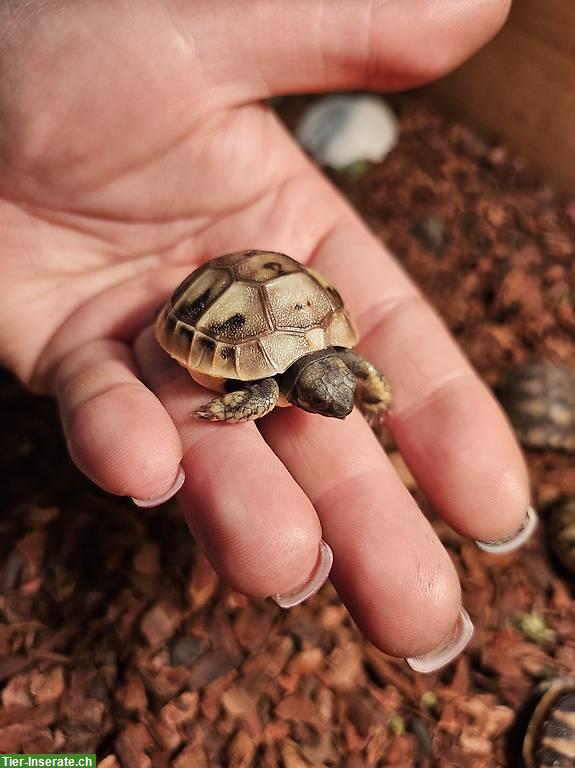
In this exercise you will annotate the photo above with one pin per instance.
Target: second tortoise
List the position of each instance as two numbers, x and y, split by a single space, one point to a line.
264 330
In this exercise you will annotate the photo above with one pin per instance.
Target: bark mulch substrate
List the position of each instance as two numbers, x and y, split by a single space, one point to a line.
115 635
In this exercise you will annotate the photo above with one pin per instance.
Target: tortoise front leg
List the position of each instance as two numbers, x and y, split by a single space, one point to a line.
372 392
255 399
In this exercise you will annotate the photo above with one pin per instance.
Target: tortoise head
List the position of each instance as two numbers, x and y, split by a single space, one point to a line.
325 385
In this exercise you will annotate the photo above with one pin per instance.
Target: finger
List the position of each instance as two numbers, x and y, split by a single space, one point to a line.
257 527
118 432
447 425
389 567
339 45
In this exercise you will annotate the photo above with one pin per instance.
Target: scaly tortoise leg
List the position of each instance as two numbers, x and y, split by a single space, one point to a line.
372 392
254 400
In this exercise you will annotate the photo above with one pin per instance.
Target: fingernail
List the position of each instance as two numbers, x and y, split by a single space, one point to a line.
517 539
313 584
175 487
449 649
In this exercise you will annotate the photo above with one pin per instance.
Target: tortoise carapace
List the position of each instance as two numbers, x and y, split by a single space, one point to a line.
265 330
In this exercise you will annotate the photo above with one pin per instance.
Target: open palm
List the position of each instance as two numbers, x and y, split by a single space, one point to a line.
133 146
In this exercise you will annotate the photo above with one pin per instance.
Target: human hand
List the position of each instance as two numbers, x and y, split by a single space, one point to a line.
132 147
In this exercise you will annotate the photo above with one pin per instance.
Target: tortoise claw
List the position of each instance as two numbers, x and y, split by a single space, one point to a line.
207 415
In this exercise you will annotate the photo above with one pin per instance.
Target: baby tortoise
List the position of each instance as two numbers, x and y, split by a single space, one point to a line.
562 532
550 738
539 399
265 330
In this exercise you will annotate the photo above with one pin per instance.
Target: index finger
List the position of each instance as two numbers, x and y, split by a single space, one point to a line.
256 525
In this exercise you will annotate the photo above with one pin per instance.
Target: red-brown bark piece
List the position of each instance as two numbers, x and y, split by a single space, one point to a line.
160 623
132 746
241 750
110 761
131 695
192 756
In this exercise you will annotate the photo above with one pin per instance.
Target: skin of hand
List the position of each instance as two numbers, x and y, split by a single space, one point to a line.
134 145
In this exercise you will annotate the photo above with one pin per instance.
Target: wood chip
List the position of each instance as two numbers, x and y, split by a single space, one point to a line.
160 623
132 745
192 756
111 761
241 750
131 696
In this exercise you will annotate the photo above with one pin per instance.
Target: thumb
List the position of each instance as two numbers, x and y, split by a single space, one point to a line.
275 47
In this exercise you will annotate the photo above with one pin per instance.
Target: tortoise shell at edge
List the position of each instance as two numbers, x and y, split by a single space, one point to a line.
550 738
249 315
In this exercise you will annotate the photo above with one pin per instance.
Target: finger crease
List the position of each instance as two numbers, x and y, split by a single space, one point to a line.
384 311
431 394
71 412
341 487
199 443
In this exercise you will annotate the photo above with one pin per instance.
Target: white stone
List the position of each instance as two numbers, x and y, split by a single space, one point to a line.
344 129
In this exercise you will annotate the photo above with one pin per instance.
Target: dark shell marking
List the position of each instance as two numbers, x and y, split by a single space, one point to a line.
539 399
190 311
251 314
208 344
230 326
550 738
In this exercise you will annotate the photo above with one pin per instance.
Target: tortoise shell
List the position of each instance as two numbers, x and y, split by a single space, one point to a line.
539 399
249 315
550 738
562 532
